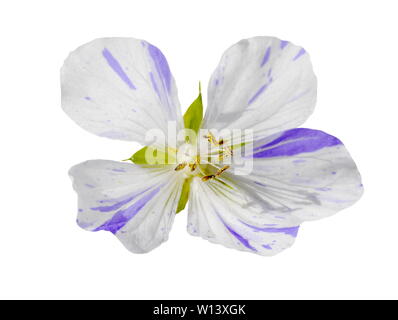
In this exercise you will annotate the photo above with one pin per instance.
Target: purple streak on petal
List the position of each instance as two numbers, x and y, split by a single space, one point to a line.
296 141
161 65
120 202
323 189
282 137
260 184
299 161
89 185
266 56
269 73
242 240
299 54
334 172
80 210
121 217
154 85
87 98
256 95
115 65
267 246
283 44
291 231
118 170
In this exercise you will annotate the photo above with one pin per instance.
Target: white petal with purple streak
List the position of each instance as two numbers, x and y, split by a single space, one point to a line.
136 204
261 83
303 173
236 219
119 88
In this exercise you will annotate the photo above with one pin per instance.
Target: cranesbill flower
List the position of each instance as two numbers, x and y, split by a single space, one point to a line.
263 88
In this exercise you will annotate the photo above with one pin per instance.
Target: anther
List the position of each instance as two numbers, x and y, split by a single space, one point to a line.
219 172
206 178
213 140
180 166
209 137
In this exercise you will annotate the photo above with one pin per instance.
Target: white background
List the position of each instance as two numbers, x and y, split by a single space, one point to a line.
44 254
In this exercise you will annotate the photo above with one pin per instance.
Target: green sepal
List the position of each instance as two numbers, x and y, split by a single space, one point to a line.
184 195
194 115
140 157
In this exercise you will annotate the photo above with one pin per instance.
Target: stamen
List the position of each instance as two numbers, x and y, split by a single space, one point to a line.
207 178
219 172
193 166
218 150
180 166
229 150
210 137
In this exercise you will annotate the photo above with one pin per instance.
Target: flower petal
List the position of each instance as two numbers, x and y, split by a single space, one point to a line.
222 213
119 88
303 173
136 204
261 83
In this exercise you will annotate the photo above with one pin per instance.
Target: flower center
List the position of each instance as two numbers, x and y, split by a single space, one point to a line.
207 159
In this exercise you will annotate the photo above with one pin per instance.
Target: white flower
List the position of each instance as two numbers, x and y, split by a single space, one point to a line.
122 88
